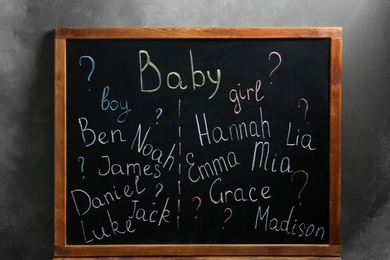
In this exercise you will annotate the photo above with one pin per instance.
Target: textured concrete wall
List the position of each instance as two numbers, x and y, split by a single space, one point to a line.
26 103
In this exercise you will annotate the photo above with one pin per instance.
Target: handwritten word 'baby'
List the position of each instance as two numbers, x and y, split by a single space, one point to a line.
173 78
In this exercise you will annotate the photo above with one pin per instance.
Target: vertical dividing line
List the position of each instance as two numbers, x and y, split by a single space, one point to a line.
179 107
178 222
179 165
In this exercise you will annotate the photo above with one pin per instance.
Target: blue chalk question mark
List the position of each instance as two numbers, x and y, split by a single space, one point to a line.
92 62
81 159
158 190
159 112
82 162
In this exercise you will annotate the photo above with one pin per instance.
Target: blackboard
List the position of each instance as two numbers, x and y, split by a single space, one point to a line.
198 137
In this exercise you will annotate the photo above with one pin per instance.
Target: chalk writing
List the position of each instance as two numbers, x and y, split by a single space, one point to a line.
146 63
286 225
92 65
233 132
236 96
114 105
186 142
279 62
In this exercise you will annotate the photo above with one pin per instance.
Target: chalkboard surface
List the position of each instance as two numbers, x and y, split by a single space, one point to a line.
198 141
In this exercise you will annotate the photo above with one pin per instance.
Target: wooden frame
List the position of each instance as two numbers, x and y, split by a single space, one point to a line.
199 251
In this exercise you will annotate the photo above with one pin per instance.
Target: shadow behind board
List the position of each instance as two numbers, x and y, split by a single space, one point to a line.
197 141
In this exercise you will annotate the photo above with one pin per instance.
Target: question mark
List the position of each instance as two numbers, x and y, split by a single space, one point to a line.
82 163
159 113
92 62
306 103
304 185
199 203
230 215
277 66
158 190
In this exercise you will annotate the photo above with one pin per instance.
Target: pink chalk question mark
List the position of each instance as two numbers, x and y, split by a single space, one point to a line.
228 217
277 66
199 203
92 65
304 184
306 103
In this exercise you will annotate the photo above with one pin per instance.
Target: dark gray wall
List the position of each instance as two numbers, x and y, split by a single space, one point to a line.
26 103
